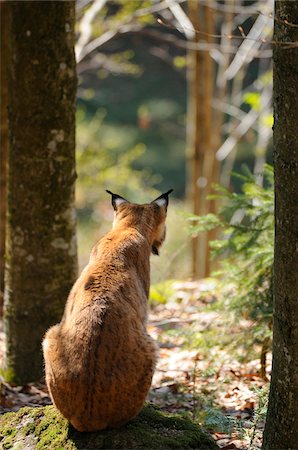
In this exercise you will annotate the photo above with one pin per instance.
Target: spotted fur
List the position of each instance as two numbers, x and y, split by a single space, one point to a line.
99 360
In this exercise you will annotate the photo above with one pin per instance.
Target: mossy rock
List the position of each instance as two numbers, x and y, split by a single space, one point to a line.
44 428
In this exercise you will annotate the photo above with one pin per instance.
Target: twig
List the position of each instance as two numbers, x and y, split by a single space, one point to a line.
279 20
84 48
241 31
240 130
286 45
204 46
250 42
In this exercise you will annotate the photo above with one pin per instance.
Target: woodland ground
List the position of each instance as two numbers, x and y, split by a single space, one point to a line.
205 381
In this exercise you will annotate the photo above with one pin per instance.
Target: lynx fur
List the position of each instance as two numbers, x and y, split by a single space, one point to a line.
99 360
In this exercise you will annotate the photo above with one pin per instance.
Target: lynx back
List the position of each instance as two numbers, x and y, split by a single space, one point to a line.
99 360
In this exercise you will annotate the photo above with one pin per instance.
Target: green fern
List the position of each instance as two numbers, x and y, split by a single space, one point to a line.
245 251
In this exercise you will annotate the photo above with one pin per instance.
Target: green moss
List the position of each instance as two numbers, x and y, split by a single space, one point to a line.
9 375
7 430
160 430
28 429
152 429
52 430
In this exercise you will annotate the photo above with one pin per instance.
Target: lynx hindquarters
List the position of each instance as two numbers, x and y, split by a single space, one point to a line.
99 359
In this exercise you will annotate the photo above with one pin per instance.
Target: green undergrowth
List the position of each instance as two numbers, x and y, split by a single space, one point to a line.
9 375
44 428
244 256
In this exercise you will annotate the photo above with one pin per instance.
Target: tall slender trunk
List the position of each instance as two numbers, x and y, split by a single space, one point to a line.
281 430
200 160
194 114
210 165
41 246
3 141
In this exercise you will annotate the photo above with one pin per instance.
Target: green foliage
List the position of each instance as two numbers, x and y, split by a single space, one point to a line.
259 414
214 419
253 99
106 159
245 250
102 166
9 375
201 224
180 62
160 293
117 14
123 77
127 12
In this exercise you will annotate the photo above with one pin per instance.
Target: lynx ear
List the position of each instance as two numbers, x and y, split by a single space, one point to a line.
163 199
117 200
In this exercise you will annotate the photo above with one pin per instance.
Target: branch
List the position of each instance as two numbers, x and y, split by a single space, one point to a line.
231 110
250 42
234 8
204 46
85 26
182 18
279 20
214 49
106 37
84 48
242 36
241 129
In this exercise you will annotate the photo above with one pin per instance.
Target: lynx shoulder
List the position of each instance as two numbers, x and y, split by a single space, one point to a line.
99 360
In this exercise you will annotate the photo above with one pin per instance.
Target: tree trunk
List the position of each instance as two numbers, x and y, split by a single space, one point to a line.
194 114
3 141
200 154
281 430
41 246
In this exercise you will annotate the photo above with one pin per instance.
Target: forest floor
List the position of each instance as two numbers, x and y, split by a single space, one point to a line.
197 374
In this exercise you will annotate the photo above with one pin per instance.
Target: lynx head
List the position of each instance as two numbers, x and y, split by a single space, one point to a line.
149 219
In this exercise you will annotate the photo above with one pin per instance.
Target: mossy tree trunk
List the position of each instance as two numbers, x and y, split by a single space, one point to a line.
3 141
41 250
281 430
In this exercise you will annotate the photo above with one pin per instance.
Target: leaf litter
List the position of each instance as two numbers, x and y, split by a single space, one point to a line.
210 385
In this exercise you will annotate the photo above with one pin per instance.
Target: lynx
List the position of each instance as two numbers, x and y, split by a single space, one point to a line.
99 360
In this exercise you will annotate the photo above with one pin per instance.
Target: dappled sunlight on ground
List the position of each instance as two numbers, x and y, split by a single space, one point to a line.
208 382
194 376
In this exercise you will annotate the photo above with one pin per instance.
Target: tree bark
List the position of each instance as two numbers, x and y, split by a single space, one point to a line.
194 116
200 153
3 141
281 430
41 263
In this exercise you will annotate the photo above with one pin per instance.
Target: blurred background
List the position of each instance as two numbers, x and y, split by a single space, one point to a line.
172 94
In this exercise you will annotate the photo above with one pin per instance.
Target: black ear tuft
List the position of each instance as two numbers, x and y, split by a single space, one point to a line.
163 199
116 199
155 250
